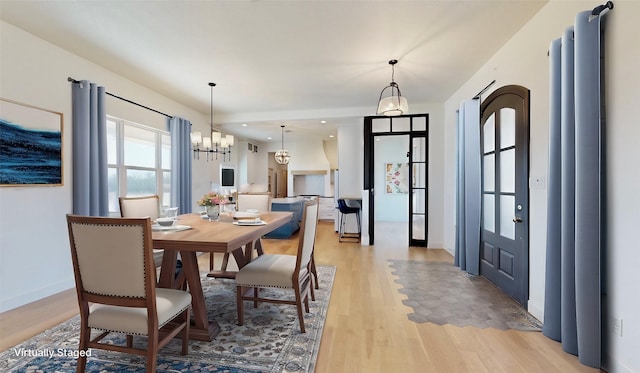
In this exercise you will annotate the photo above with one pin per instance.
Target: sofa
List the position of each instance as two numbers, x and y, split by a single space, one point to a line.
295 205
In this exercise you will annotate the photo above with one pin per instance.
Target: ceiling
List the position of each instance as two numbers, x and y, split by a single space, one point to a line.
281 62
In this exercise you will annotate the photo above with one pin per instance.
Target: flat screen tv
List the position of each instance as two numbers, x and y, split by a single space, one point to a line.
228 177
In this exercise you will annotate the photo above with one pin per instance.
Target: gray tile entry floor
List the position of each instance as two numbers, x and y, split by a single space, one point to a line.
441 293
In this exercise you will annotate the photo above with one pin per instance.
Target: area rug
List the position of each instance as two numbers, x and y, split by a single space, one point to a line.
269 341
441 293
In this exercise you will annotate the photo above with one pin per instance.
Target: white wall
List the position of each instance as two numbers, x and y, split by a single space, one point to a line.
34 247
523 61
389 206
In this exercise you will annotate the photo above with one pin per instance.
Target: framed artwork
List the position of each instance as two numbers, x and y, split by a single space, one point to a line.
30 145
397 177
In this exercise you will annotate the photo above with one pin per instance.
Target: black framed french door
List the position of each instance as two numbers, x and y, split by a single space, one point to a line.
409 177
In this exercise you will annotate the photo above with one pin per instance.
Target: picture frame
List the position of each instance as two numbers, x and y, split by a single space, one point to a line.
31 139
396 177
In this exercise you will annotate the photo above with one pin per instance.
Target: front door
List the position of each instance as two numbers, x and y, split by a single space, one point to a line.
504 247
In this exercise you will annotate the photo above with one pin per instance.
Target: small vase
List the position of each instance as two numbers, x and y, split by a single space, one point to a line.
213 212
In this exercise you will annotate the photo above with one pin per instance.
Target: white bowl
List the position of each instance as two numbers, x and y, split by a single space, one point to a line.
165 222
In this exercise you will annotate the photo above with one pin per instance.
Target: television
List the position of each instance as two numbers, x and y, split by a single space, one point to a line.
227 177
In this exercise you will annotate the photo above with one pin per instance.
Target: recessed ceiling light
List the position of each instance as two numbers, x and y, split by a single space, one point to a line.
244 124
269 138
331 136
323 121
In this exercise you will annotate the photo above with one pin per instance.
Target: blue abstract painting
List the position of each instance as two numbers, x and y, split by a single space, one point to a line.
30 145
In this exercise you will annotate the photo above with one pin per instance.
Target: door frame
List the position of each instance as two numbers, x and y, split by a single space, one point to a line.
369 168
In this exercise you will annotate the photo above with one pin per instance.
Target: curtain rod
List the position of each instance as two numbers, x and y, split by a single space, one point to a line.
70 79
484 89
601 9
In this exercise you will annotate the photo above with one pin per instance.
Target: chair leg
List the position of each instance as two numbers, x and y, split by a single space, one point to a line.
85 334
314 271
256 291
299 307
152 351
240 304
185 335
129 341
211 256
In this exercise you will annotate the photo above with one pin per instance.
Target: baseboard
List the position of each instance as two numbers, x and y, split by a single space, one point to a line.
536 310
37 294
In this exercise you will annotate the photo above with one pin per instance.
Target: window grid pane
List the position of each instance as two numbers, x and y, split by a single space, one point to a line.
419 123
139 147
165 151
380 125
419 149
488 132
508 171
401 125
489 216
489 172
507 127
507 209
141 183
112 142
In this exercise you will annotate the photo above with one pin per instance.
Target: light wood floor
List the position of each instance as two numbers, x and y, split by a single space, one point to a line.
367 329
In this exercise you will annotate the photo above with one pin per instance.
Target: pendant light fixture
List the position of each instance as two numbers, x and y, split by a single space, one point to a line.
394 104
282 155
214 143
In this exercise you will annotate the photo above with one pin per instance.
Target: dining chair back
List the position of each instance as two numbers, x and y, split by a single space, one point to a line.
282 271
140 207
116 288
249 201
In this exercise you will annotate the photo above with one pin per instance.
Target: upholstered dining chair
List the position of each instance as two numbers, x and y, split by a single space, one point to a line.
116 287
140 207
282 271
253 201
260 202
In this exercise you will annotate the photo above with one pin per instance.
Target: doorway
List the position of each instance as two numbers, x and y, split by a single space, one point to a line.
405 173
504 139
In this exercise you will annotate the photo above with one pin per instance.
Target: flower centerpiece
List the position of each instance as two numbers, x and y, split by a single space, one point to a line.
212 201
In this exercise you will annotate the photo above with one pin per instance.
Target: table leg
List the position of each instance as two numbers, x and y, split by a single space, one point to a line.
167 269
202 329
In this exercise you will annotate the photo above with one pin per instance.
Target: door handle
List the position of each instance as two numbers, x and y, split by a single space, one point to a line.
517 219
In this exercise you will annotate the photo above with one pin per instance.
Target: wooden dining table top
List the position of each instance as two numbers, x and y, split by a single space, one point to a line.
216 236
207 236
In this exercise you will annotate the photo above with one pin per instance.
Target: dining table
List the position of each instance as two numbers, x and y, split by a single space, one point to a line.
195 233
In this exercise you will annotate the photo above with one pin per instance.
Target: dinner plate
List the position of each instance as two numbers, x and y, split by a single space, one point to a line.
173 228
249 222
245 215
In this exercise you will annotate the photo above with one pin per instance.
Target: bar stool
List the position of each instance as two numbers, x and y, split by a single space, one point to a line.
346 210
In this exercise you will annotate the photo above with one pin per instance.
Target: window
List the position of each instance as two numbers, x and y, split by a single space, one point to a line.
139 159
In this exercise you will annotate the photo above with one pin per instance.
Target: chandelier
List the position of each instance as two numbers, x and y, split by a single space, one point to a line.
282 156
394 104
213 144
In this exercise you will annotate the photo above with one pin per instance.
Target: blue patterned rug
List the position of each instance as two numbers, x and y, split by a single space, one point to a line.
269 341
